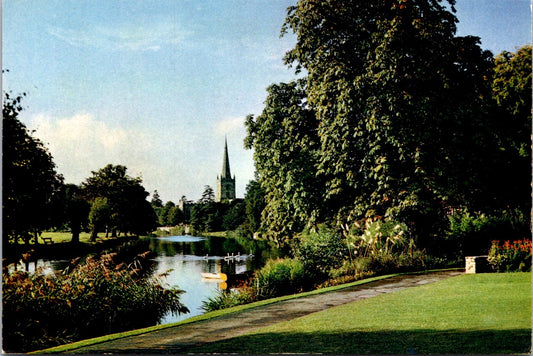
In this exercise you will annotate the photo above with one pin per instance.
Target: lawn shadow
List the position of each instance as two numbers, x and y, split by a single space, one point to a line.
382 342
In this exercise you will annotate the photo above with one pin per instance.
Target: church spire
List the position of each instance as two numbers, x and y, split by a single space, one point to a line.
226 172
225 183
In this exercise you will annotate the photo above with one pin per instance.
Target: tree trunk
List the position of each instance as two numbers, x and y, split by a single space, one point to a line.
94 234
75 228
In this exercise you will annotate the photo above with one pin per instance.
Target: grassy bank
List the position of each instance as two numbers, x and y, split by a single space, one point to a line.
61 248
62 237
482 313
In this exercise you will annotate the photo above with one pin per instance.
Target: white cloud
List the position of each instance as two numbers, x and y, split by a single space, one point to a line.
231 125
132 37
81 144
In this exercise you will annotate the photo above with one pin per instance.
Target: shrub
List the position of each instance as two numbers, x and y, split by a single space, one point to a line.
321 251
472 233
383 262
378 237
281 277
228 298
511 256
96 298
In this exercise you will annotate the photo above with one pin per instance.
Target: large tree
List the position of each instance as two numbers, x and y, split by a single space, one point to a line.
31 185
285 142
254 201
396 102
125 198
511 175
76 210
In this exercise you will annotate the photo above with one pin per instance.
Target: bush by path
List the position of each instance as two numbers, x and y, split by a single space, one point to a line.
97 297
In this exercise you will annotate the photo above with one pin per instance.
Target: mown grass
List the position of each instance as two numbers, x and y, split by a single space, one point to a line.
61 237
481 313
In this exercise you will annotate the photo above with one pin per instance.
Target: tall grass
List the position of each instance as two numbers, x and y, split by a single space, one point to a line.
93 298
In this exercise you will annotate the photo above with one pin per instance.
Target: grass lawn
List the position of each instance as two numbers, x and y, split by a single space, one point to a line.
60 237
479 313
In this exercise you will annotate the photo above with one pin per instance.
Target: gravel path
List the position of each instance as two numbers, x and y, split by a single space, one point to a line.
180 339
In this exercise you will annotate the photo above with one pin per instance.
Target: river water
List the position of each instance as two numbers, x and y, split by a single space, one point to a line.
184 259
187 257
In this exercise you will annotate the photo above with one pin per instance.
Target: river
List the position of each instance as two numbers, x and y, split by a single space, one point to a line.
184 259
187 257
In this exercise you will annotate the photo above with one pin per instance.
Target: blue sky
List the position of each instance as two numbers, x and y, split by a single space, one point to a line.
156 85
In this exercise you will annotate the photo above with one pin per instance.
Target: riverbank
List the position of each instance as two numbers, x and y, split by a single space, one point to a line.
238 321
61 247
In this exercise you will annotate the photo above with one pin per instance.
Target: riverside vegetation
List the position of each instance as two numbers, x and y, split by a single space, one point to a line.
323 258
89 298
403 147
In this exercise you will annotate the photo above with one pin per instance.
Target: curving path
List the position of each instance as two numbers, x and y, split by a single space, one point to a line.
182 338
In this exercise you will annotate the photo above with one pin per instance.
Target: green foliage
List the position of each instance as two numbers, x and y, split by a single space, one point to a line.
174 216
284 139
95 298
281 277
383 263
511 256
31 187
98 216
255 203
235 215
378 76
76 210
321 250
164 213
377 236
472 234
390 121
129 211
228 298
510 176
207 215
156 200
208 196
512 82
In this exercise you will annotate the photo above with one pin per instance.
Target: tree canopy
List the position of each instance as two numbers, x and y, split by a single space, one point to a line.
511 120
31 184
391 121
119 202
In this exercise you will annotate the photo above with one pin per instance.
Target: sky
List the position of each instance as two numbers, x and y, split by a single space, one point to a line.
157 85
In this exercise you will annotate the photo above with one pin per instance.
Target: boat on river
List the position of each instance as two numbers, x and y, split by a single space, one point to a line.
214 276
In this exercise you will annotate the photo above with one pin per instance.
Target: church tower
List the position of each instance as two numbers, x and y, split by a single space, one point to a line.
225 183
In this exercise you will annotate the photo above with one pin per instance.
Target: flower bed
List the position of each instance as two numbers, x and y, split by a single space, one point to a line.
511 256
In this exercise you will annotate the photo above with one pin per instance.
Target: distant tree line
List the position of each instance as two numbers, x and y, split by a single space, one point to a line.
35 197
207 215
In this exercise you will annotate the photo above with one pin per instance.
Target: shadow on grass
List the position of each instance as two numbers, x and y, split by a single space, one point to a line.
383 342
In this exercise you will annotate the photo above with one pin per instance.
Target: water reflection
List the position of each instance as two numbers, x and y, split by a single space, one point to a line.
187 257
45 267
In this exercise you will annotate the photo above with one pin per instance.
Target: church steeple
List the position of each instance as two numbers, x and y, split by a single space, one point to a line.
226 172
225 183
